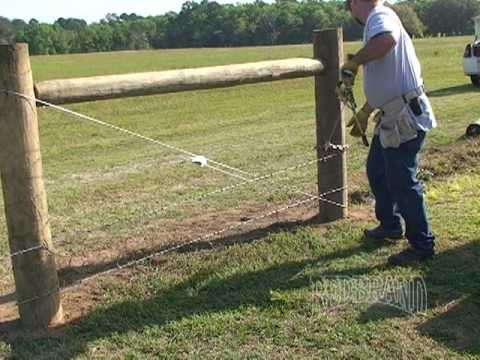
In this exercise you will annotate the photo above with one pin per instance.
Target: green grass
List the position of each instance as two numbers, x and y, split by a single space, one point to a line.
250 294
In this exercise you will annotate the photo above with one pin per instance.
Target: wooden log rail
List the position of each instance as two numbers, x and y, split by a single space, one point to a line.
66 91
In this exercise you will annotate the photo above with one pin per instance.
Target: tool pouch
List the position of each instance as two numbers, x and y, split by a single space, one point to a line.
396 127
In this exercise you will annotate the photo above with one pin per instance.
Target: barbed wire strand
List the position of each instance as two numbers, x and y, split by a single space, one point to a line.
206 237
202 197
177 204
314 197
22 252
186 201
128 132
288 188
199 198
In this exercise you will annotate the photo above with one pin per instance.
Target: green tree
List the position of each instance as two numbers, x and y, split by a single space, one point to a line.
269 26
251 30
140 32
208 23
63 40
72 24
6 30
410 19
289 21
313 17
101 37
450 17
40 38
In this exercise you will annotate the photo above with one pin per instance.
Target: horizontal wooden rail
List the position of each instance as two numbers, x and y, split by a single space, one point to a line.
118 86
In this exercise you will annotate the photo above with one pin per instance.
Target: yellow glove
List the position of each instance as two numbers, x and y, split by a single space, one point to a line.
349 72
359 122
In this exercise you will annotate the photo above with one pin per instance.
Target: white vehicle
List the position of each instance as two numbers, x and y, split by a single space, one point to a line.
471 56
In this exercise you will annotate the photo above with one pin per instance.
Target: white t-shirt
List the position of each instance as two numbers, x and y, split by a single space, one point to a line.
399 71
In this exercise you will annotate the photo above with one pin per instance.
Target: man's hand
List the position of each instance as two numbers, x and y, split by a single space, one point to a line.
359 122
349 72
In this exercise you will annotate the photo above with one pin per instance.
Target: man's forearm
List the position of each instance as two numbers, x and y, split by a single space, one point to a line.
375 49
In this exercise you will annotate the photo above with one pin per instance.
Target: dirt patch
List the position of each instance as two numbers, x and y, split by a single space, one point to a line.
444 161
202 228
436 163
358 189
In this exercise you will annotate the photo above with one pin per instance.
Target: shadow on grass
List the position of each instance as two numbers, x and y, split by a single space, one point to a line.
453 285
453 281
454 275
70 275
196 295
453 90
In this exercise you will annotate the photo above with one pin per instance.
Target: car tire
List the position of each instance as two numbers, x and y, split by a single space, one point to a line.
475 80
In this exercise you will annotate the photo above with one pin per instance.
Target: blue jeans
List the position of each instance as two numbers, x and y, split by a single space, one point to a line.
392 175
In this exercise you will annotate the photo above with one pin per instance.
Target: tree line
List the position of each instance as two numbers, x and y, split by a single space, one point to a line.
209 24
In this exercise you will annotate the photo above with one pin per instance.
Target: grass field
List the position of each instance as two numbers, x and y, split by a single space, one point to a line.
247 293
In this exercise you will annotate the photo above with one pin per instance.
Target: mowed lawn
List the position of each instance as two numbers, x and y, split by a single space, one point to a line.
247 293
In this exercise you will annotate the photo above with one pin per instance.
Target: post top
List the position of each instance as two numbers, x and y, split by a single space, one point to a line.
8 50
316 31
22 44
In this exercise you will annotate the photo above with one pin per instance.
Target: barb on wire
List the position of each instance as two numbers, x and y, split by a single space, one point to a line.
337 147
22 252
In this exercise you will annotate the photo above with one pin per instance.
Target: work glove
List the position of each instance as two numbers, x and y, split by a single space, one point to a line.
349 72
359 122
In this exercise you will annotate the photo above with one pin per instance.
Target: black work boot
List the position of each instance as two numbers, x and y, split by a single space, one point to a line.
382 234
410 256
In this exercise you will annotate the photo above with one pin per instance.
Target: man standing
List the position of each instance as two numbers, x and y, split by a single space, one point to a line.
393 85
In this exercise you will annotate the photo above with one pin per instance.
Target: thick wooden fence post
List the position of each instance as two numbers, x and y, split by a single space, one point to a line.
332 173
24 194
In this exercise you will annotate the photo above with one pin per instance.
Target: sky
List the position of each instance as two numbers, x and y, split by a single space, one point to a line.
90 10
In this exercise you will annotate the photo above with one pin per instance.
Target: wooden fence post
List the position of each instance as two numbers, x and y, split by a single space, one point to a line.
332 173
24 194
